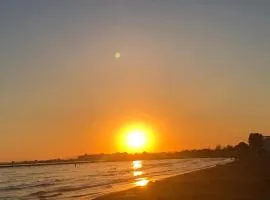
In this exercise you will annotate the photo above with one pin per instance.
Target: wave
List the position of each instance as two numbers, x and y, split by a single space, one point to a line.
93 180
44 194
25 186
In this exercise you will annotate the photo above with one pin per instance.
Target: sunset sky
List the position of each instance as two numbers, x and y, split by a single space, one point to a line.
196 72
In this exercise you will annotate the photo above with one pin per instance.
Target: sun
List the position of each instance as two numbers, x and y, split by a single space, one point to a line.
136 138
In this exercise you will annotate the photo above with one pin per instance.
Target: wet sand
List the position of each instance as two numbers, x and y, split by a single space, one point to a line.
235 181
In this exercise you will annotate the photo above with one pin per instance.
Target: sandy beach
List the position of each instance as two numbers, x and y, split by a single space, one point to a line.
237 181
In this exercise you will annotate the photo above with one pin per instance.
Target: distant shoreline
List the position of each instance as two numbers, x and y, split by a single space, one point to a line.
45 164
16 165
225 152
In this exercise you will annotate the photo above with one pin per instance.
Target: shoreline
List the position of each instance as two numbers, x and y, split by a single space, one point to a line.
75 162
44 164
236 180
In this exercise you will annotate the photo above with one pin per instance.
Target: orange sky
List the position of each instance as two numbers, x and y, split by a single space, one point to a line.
197 73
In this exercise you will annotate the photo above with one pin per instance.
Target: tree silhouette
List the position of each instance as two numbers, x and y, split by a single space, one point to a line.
242 150
242 146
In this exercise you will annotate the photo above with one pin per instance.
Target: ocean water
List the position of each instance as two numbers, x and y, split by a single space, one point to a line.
87 181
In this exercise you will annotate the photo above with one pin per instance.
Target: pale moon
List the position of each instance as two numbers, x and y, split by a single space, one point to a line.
117 55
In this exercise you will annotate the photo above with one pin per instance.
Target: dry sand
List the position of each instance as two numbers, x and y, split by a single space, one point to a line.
235 181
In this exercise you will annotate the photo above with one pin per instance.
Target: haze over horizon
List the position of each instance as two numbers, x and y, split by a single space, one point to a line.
196 73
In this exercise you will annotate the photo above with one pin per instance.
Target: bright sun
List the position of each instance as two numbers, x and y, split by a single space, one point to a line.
135 138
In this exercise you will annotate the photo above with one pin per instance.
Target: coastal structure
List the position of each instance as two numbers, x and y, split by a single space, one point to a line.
259 141
266 143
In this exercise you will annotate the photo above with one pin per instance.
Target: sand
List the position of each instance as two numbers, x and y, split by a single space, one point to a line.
236 181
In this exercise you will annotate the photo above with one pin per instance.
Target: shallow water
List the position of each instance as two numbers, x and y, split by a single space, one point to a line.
87 181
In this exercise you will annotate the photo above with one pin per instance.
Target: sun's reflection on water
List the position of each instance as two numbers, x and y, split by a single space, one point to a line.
141 182
136 164
137 172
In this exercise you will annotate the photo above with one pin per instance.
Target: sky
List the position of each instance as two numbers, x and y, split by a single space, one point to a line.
197 72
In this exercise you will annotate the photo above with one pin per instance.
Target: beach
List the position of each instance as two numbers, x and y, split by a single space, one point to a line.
92 180
236 181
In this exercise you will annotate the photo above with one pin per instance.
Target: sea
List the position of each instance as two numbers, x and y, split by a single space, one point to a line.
91 180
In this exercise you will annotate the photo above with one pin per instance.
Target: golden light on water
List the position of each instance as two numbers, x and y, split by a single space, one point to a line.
137 164
142 182
137 167
137 173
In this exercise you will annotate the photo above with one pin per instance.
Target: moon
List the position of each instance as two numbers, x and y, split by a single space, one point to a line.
117 55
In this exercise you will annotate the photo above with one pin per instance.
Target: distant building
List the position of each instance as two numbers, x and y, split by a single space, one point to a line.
266 143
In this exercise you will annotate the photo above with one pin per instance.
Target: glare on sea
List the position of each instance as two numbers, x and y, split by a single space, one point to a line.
136 164
142 182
